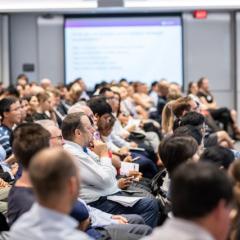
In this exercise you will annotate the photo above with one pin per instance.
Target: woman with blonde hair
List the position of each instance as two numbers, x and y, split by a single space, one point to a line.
176 109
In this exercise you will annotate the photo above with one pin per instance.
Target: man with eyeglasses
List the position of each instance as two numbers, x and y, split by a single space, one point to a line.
10 112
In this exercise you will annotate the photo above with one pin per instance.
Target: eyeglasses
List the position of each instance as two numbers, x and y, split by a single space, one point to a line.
60 137
15 109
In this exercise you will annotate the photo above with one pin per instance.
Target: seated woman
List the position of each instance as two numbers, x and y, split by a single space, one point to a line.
174 111
227 117
44 109
146 166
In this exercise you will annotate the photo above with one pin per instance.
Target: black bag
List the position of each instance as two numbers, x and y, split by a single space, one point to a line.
136 136
160 194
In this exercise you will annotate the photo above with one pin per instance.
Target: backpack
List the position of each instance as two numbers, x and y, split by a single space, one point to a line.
161 195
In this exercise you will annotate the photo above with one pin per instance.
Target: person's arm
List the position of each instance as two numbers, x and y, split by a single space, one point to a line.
97 172
212 105
10 160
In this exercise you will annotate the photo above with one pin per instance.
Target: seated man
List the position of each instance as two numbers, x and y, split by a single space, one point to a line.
98 174
49 217
10 112
201 194
22 197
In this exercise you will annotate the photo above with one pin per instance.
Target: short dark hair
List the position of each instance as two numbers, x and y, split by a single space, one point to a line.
197 188
218 155
22 75
103 90
155 83
192 118
189 130
176 150
50 176
99 106
200 82
28 139
70 123
5 105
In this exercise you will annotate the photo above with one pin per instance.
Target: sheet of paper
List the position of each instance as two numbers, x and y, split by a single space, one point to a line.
124 201
126 167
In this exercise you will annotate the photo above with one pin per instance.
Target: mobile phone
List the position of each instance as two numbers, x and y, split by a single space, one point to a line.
136 158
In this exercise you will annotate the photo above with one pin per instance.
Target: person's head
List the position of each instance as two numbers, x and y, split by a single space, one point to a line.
75 92
218 155
123 82
25 107
76 127
201 193
33 102
44 101
55 179
189 130
10 111
192 88
100 108
176 150
203 84
81 83
55 96
105 125
22 80
115 105
154 86
123 93
194 119
175 88
46 83
109 96
183 105
28 139
234 173
79 107
163 88
56 139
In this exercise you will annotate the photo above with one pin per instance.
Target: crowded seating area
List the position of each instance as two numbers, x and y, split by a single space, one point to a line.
124 161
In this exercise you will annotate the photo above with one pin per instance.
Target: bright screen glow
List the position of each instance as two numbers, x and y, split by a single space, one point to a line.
136 48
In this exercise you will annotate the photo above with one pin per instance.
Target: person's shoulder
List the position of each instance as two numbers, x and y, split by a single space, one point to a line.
21 196
76 235
4 131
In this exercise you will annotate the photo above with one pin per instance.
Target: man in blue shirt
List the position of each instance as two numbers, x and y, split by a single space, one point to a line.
10 112
56 182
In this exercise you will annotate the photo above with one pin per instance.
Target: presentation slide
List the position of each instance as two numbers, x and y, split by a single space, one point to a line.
136 48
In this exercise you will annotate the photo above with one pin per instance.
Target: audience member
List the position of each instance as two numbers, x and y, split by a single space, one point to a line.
98 173
201 195
55 179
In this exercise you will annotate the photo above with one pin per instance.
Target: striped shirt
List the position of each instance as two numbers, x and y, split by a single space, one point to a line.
5 138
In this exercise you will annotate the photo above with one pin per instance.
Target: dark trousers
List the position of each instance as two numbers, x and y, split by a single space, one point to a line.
147 208
146 166
222 115
132 231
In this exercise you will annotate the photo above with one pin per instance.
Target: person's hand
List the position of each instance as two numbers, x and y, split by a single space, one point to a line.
123 151
131 128
137 175
100 148
120 219
14 168
124 183
83 226
3 184
127 159
133 144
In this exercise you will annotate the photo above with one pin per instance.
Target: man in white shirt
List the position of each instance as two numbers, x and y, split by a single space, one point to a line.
201 194
98 176
56 182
